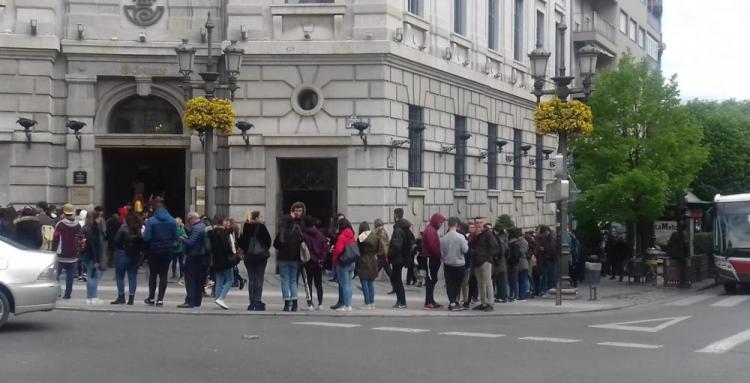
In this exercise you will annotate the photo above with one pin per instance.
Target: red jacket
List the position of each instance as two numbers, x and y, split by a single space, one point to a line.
345 238
430 237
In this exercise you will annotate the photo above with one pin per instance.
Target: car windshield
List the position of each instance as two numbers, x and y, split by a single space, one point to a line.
734 221
14 243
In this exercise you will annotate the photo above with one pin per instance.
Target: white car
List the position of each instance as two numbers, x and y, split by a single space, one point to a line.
27 280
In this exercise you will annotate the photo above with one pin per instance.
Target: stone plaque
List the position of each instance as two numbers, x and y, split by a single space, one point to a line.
80 196
80 177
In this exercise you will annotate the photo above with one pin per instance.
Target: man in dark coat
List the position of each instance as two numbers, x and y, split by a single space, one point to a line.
485 246
399 249
28 229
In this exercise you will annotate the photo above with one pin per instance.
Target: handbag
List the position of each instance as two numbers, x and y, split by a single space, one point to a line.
256 251
350 254
234 257
304 253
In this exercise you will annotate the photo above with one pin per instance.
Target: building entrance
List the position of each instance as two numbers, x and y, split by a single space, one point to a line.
131 173
312 181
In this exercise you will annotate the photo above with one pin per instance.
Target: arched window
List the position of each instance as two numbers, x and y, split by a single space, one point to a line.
145 115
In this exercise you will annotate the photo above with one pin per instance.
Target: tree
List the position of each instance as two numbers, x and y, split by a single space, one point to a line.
644 147
726 133
504 222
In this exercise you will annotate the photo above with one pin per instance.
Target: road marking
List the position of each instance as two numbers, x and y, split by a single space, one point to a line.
726 344
631 345
731 301
327 324
402 329
691 300
473 334
628 326
553 340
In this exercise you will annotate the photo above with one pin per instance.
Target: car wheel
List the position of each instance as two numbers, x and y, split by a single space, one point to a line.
4 308
730 288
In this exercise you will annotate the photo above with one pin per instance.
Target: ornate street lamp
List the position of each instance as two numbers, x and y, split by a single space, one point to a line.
587 57
75 127
212 80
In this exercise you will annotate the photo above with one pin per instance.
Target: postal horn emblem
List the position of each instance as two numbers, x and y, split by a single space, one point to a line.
144 13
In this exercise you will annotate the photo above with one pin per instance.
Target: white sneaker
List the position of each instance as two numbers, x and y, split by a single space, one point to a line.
372 306
342 308
88 301
318 308
310 308
348 308
221 304
96 301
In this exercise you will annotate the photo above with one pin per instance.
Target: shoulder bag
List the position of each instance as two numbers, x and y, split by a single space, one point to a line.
255 250
350 254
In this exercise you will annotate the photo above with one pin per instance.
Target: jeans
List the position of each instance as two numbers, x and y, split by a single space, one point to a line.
398 284
125 264
550 276
70 275
195 277
454 277
224 282
368 290
344 274
178 259
288 271
256 272
512 282
314 279
484 278
158 266
433 265
523 284
501 285
92 283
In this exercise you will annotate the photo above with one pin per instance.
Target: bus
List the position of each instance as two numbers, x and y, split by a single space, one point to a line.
732 240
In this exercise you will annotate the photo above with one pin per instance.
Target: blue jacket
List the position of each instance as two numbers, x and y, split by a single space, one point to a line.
195 244
161 233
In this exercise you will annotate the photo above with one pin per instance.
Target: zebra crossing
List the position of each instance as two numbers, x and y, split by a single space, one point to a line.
711 300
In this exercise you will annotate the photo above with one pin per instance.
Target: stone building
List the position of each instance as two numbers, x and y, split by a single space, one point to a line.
449 76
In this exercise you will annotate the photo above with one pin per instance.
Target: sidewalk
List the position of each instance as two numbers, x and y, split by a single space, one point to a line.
612 296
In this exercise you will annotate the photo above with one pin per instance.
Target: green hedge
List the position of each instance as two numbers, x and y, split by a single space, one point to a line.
703 243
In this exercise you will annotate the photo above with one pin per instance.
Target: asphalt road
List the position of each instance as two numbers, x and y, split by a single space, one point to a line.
698 337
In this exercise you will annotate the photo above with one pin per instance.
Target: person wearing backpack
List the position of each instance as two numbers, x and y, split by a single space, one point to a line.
160 235
66 244
128 246
317 244
255 241
399 249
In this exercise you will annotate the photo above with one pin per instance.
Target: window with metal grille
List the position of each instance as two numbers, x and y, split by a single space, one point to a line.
518 30
416 143
517 158
460 158
493 21
492 156
539 162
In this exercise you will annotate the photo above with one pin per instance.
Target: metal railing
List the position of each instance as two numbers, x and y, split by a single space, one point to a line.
594 22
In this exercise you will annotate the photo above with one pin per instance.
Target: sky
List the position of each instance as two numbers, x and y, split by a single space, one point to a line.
708 48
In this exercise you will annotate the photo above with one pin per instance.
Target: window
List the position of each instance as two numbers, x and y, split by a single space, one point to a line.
539 29
652 47
641 37
539 162
493 20
518 30
416 143
623 22
416 7
459 16
517 158
632 30
145 115
460 158
492 156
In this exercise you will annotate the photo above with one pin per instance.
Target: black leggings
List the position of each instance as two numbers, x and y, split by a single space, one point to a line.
314 277
454 278
433 265
398 284
158 266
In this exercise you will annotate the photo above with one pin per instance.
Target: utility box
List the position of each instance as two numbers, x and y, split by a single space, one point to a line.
593 277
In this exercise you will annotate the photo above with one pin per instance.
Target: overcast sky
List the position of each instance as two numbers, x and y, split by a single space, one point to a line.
708 48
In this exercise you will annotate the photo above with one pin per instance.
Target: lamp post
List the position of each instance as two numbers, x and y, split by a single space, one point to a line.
213 80
587 57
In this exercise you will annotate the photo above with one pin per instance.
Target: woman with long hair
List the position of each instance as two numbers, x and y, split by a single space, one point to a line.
317 244
128 246
91 256
239 282
223 250
371 246
344 272
255 241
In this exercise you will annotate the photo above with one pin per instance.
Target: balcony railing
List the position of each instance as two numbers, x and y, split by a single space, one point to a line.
593 22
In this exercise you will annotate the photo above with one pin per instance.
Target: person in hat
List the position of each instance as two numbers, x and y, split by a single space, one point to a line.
65 242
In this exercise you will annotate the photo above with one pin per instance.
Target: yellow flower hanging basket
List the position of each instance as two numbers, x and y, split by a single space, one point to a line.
217 114
556 116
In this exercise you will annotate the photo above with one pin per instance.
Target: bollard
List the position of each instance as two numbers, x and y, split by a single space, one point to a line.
593 276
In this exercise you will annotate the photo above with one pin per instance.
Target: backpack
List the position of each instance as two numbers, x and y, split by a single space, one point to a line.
48 233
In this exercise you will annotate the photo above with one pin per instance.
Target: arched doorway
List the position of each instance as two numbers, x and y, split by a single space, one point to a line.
135 169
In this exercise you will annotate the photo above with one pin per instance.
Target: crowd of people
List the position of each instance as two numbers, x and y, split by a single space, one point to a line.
483 264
